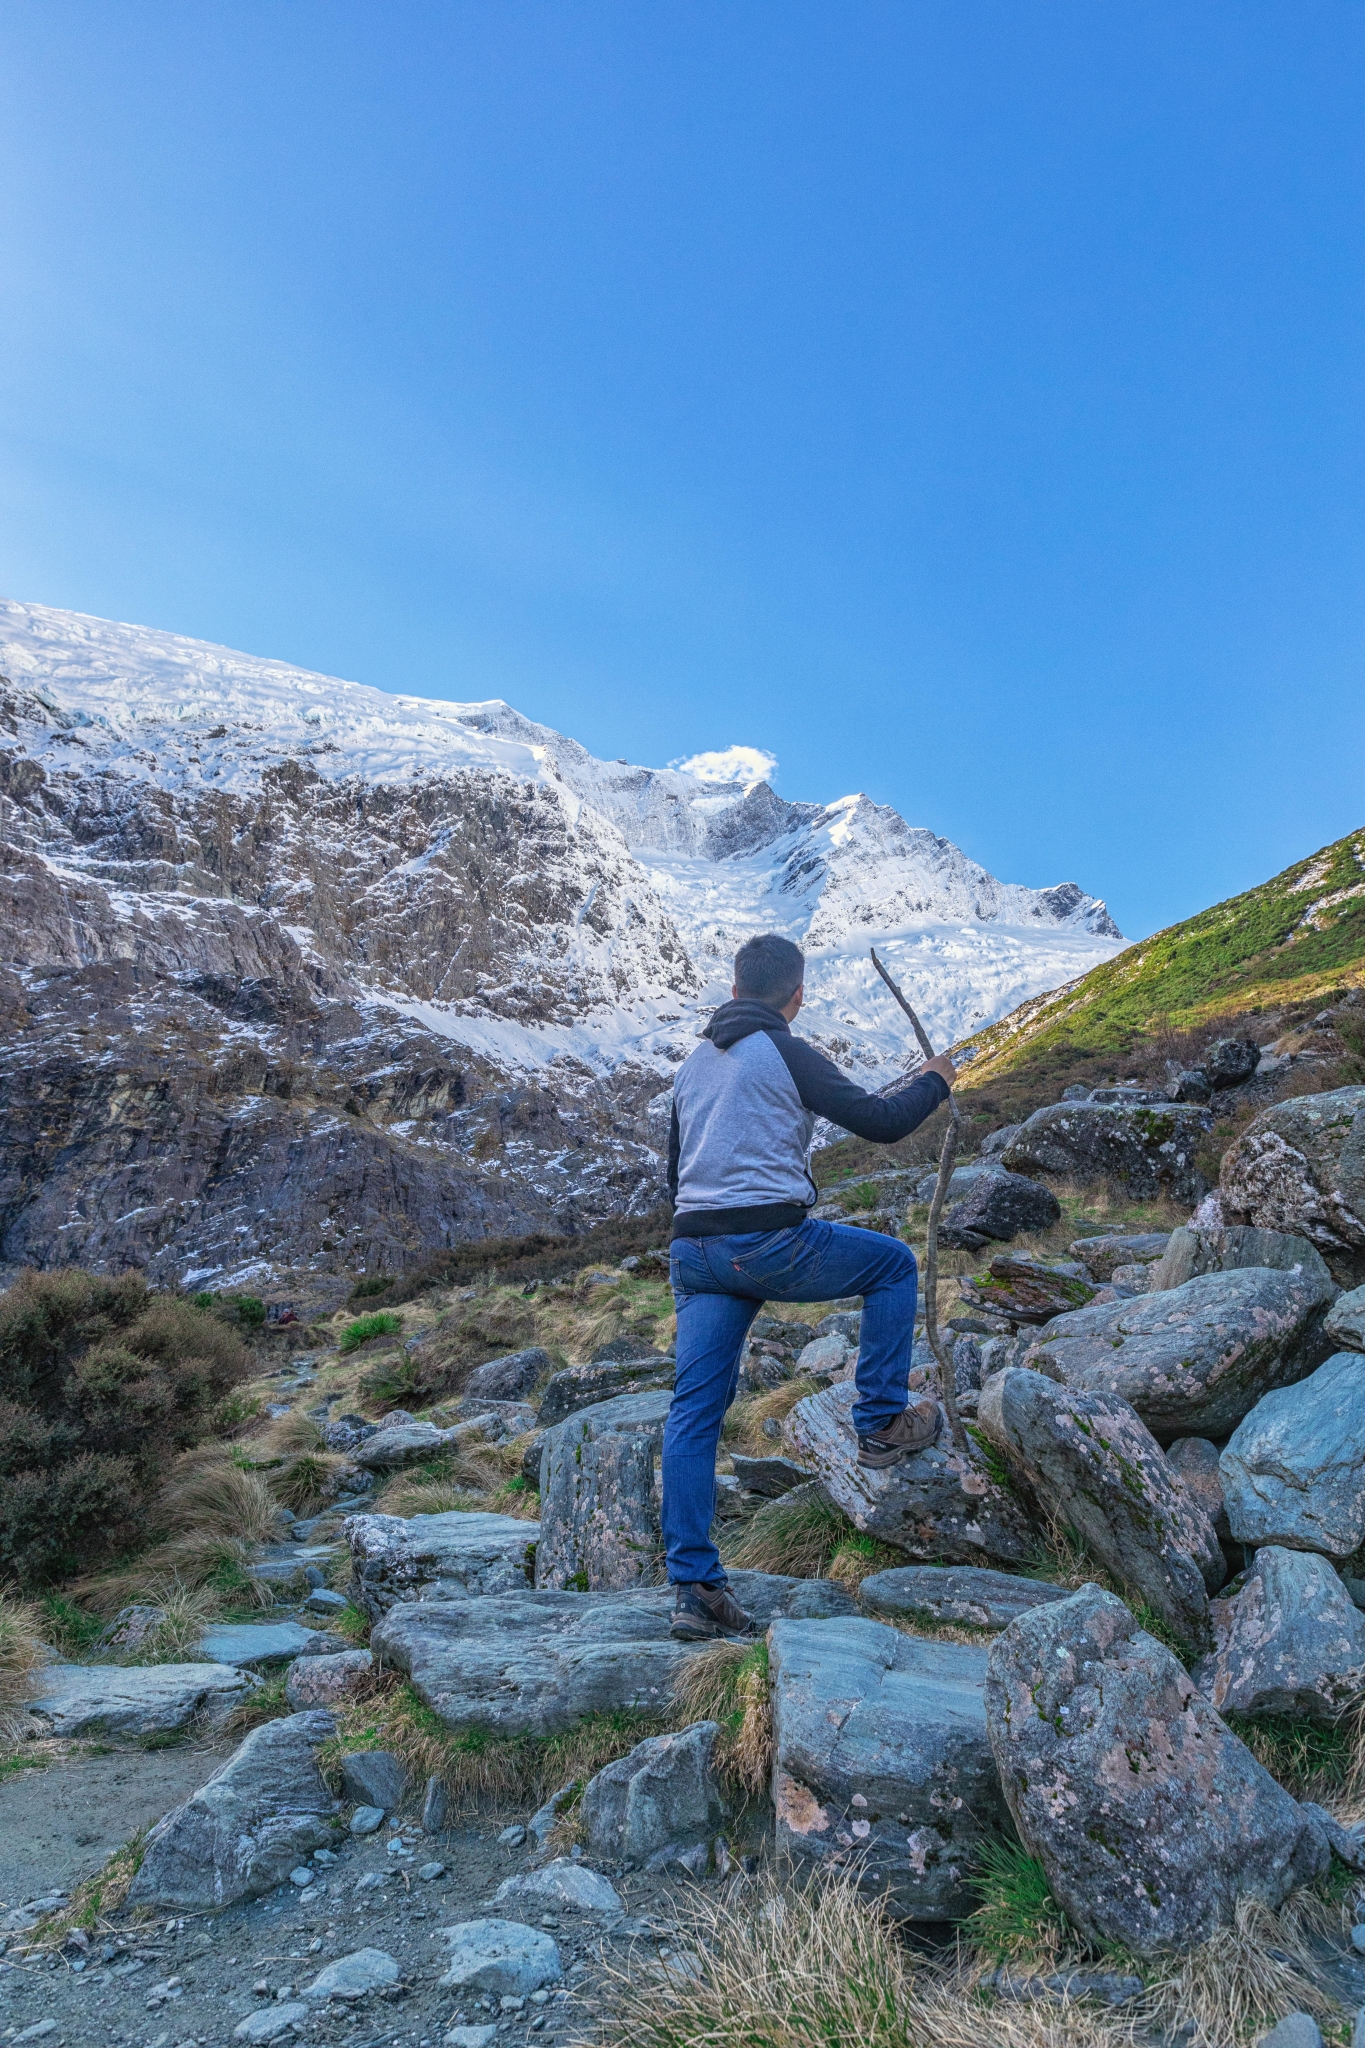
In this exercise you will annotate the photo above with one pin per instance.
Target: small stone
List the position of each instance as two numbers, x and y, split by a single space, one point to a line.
1295 2030
429 1872
470 2037
270 2023
350 1977
435 1807
513 1837
38 2031
323 1601
562 1883
500 1957
376 1777
512 2004
367 1820
312 1577
301 1876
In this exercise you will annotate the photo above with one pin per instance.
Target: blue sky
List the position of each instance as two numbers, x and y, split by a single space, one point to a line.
962 401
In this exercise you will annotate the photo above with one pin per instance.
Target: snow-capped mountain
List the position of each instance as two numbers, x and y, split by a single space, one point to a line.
185 823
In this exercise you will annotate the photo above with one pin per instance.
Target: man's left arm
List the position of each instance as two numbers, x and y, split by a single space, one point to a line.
880 1118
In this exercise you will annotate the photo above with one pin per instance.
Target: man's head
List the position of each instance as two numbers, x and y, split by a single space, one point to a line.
771 970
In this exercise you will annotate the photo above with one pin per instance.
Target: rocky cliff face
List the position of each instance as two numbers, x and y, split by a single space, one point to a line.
301 976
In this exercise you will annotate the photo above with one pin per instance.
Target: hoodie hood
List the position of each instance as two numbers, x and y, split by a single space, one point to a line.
740 1019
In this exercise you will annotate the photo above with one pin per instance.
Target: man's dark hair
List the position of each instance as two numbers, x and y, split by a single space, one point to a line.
770 969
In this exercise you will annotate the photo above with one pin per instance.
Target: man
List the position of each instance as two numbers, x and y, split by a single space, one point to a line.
744 1108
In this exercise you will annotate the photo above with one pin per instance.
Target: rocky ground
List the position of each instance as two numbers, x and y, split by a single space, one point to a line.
1151 1547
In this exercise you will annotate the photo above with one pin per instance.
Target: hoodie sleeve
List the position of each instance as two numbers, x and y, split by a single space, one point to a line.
674 1148
880 1118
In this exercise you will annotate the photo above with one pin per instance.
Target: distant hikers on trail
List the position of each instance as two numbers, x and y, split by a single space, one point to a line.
744 1110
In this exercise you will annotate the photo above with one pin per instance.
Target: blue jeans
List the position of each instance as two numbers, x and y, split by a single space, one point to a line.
719 1285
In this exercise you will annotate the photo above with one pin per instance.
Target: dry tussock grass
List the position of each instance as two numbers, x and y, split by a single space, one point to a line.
1235 1987
792 1536
743 1428
812 1965
22 1652
216 1511
186 1609
728 1683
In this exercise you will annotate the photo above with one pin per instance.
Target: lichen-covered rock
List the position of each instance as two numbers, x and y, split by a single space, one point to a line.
1103 1471
241 1834
1299 1167
1195 1359
1197 1249
942 1504
326 1681
997 1207
537 1663
1230 1061
599 1518
588 1386
1291 1471
1194 1460
640 1414
1149 1151
665 1792
881 1760
397 1557
1149 1816
962 1594
1345 1324
1292 1641
409 1443
1026 1291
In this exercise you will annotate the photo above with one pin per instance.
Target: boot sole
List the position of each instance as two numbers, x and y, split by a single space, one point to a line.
689 1631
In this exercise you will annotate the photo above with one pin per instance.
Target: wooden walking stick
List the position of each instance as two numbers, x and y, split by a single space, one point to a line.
942 1352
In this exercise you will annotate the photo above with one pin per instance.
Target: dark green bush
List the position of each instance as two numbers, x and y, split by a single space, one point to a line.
102 1383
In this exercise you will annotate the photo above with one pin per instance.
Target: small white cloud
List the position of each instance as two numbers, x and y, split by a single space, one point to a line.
730 764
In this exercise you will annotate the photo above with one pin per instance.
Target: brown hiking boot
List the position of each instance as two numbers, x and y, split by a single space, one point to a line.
914 1429
701 1613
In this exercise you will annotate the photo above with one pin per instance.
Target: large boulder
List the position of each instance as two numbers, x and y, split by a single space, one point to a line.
1292 1641
510 1378
242 1833
998 1206
1291 1471
664 1794
599 1518
1345 1324
394 1445
881 1760
399 1558
1104 1473
1149 1151
1193 1360
960 1594
537 1663
1230 1061
1299 1167
133 1699
1148 1815
586 1386
1196 1249
941 1505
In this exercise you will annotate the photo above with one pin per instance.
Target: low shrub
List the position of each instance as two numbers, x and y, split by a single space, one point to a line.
102 1384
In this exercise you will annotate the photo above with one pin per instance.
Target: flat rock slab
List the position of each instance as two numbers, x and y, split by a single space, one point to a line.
1148 1815
134 1699
1025 1291
882 1762
1292 1641
286 1565
1104 1472
588 1386
1299 1167
1149 1150
395 1558
536 1663
561 1883
260 1815
941 1504
1291 1472
964 1594
256 1642
1195 1359
501 1958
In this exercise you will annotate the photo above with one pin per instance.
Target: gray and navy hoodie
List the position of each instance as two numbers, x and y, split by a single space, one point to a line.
744 1108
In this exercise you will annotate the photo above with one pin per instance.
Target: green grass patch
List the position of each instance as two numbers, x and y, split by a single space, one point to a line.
1310 1760
1018 1920
384 1323
798 1537
23 1760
